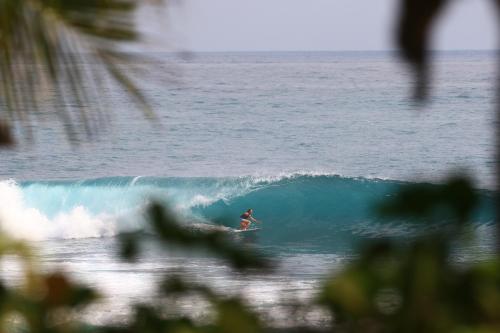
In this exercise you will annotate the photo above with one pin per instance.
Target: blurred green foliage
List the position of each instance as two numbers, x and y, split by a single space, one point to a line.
416 286
43 302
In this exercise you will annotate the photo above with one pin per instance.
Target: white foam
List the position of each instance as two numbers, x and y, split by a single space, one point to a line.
20 221
290 175
198 200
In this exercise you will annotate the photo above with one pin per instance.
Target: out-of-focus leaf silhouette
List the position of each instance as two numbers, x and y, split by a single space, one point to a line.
170 230
455 200
415 286
46 50
129 245
60 291
416 19
6 138
232 314
41 302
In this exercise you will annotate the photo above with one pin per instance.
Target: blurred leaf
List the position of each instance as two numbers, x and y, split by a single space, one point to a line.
50 48
456 199
415 25
177 286
63 292
167 226
233 316
129 245
6 138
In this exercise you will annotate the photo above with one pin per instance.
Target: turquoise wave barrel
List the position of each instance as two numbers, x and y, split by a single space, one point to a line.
299 208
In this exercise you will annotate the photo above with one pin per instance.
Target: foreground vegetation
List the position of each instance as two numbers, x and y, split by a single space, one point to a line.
393 286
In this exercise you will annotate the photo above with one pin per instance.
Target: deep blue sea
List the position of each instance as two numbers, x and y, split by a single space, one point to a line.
312 141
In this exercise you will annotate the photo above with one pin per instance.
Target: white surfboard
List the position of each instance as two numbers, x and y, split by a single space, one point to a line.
247 230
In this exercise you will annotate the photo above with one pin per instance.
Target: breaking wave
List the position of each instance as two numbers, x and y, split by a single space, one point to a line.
295 208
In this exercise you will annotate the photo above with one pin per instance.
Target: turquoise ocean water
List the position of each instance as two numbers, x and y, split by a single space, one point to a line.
311 141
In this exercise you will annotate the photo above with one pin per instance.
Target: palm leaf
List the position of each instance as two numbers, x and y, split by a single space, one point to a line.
415 26
46 47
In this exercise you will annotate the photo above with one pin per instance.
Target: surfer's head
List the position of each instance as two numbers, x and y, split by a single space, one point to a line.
250 210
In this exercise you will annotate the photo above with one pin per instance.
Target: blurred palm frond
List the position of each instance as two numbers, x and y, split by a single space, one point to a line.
46 47
416 20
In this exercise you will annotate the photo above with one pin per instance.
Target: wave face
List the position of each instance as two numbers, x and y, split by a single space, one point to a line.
296 209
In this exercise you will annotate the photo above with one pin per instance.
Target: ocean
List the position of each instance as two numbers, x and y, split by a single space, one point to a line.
312 141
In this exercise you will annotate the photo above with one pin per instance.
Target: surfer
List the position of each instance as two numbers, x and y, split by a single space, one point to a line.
246 219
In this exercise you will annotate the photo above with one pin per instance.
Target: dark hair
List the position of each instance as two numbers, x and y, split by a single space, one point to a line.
249 209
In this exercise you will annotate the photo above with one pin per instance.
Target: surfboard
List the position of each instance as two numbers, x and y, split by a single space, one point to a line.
247 230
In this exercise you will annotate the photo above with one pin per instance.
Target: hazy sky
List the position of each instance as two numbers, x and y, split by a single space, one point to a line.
240 25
